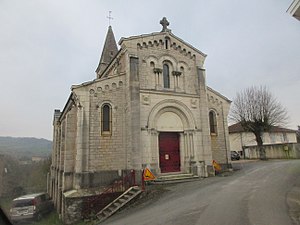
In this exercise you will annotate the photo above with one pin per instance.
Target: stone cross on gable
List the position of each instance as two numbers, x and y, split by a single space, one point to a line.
164 22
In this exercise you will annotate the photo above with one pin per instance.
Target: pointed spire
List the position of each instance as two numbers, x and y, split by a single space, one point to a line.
109 51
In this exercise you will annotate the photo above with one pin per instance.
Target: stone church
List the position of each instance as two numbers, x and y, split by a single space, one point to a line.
148 106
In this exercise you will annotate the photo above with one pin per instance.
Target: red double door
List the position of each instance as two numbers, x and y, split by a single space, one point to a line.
169 152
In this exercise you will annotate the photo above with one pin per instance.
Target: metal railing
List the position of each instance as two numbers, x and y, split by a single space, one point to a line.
93 204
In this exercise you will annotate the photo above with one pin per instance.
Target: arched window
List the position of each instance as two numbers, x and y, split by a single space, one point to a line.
212 122
106 119
166 76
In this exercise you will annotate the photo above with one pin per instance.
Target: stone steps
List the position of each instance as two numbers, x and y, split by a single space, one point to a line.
118 203
174 178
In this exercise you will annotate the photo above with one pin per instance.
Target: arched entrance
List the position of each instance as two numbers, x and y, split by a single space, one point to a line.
171 123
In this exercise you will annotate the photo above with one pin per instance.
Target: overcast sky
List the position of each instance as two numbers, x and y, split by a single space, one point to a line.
48 45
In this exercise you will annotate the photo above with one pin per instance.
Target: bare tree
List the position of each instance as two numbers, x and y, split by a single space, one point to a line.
258 110
298 134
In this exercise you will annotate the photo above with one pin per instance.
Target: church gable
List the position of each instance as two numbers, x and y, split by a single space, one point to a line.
166 62
216 100
165 42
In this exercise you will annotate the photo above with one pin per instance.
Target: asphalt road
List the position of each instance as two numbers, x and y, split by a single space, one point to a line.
256 193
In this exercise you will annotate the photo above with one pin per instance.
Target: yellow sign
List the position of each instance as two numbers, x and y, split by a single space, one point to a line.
217 166
148 175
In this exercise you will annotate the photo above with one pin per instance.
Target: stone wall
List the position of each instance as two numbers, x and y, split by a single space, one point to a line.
85 207
279 151
86 203
107 151
220 139
97 151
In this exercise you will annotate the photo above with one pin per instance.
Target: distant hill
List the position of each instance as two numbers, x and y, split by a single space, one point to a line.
24 147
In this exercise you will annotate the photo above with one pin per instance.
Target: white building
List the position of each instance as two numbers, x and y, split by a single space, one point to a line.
278 142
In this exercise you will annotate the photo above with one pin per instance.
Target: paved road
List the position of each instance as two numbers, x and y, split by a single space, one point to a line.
259 193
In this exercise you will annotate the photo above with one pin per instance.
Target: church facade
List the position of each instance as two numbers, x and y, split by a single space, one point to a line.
149 106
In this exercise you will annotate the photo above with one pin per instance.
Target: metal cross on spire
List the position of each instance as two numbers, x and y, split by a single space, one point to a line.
164 22
109 17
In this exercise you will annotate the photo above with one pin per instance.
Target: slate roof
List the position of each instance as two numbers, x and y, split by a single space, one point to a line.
109 51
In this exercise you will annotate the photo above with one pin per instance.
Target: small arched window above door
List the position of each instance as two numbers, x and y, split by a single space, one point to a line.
166 76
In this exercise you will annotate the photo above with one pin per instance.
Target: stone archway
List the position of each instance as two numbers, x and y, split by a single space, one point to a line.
169 106
169 125
172 122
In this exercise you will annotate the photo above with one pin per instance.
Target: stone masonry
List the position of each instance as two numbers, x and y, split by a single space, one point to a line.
154 84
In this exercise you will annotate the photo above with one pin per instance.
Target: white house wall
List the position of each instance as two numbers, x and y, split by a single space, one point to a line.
238 140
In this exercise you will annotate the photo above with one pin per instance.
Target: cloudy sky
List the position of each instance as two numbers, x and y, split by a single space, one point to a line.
48 45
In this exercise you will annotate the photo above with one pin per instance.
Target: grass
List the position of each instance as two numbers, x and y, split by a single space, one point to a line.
53 219
5 204
49 219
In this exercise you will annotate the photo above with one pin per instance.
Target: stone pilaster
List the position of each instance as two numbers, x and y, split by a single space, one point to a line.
70 146
55 153
205 153
135 127
79 147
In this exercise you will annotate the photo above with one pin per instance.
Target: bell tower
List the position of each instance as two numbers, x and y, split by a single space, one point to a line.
109 51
